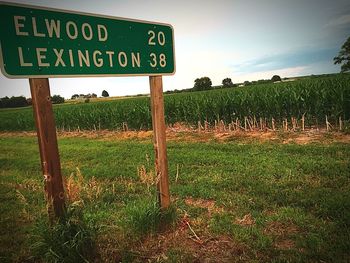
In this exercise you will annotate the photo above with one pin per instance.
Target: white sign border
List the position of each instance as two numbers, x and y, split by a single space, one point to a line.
2 66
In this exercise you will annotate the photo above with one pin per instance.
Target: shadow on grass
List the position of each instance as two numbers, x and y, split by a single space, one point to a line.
14 225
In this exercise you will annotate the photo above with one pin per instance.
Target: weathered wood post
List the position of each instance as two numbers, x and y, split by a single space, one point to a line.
47 138
159 139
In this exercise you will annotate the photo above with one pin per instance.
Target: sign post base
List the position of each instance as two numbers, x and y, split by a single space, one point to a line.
159 139
47 138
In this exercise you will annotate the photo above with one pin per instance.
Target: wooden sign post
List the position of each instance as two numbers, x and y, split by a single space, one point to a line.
159 139
39 43
50 160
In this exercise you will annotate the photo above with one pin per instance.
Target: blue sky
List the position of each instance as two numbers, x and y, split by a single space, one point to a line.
240 39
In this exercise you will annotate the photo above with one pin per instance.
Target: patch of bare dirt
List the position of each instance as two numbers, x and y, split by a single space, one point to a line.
247 220
285 244
206 204
17 134
282 232
269 212
281 229
184 134
183 243
200 248
108 135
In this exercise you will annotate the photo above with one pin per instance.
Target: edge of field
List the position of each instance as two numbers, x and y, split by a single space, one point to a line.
188 135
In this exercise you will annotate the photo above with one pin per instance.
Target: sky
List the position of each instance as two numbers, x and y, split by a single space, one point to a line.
239 39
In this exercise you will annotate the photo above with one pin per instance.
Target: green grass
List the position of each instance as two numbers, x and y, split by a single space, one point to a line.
298 197
70 239
314 98
143 217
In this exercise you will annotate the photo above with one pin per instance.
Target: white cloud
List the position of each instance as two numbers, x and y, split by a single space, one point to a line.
285 72
339 21
199 63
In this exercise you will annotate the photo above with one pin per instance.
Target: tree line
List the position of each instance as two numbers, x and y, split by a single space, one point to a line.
89 96
21 101
205 83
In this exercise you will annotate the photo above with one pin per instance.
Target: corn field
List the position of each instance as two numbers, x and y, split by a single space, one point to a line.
310 102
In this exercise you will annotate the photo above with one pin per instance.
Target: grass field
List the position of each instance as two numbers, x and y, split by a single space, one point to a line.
237 199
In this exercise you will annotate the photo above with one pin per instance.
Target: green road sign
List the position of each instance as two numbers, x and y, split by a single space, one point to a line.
39 42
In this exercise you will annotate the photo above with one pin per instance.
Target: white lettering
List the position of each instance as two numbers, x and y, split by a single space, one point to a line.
53 26
41 57
161 38
71 57
151 38
99 28
19 25
85 58
59 59
135 59
35 29
97 61
162 60
110 55
86 25
21 60
121 63
153 63
75 34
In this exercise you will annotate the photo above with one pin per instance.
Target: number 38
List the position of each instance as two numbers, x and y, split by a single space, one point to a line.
154 60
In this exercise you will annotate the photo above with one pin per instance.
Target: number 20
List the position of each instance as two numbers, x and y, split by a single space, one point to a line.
160 38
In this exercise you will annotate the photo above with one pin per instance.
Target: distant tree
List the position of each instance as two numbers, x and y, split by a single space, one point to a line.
276 78
344 57
203 83
227 83
246 83
93 95
105 93
57 99
13 102
4 102
75 96
19 101
29 101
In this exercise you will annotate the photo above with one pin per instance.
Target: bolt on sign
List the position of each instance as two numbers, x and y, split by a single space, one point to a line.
42 42
39 43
